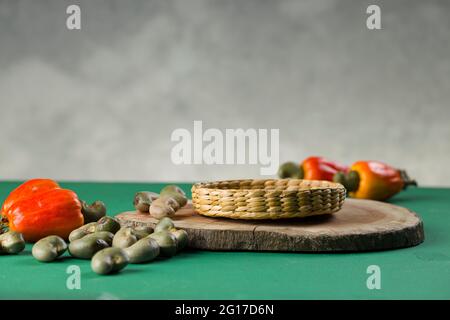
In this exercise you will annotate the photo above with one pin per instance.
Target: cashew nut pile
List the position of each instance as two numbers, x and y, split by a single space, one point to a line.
170 199
110 246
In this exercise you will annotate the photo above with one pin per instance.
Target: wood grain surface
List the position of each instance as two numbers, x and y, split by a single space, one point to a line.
361 225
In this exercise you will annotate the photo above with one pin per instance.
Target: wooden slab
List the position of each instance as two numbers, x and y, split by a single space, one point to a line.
361 225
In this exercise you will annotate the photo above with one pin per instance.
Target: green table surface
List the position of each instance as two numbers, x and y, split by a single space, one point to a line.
421 272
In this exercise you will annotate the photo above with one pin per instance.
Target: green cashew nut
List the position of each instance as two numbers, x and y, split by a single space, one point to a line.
164 224
142 231
167 243
143 200
49 248
182 238
169 201
11 242
175 192
109 260
164 206
103 235
86 247
82 231
124 238
144 250
107 224
143 228
93 212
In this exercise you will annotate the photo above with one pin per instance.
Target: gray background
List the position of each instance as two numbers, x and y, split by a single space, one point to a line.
101 103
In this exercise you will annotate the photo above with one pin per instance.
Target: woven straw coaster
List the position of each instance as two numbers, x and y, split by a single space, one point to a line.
267 199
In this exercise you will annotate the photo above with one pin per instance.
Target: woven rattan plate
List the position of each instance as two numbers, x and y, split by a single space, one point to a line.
267 199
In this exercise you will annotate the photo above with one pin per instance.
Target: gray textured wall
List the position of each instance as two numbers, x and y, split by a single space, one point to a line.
101 103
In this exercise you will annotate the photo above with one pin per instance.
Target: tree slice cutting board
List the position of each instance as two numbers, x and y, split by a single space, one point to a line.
361 225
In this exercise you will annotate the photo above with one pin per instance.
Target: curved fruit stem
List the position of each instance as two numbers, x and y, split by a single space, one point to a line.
407 181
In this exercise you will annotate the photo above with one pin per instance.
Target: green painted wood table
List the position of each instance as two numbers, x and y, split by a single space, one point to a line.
421 272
